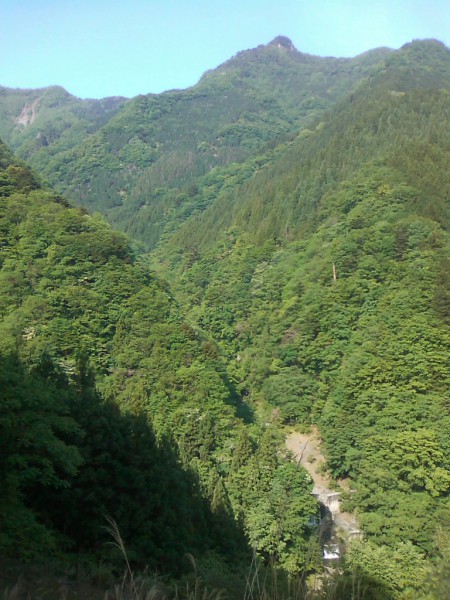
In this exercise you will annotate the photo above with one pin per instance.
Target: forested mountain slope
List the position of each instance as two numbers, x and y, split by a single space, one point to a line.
141 168
44 122
404 102
325 278
308 272
113 405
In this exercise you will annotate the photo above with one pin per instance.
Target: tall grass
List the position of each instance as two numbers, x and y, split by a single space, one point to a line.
132 588
260 583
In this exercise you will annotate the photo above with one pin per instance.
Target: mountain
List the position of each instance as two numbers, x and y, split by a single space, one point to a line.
138 162
300 278
378 117
324 277
113 406
50 120
70 289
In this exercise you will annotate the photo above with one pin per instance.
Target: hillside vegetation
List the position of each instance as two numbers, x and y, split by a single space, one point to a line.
45 122
297 209
138 162
325 280
114 406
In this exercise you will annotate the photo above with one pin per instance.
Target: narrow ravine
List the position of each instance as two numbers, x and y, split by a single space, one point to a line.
306 449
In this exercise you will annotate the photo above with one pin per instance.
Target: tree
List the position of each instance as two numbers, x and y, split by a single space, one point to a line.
35 426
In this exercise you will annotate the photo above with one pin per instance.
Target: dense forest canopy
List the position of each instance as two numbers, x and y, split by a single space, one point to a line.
364 351
297 209
138 161
112 404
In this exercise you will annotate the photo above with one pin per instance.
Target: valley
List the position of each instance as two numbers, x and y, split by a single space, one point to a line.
186 276
306 451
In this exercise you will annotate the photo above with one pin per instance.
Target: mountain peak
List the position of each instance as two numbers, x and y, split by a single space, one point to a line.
282 41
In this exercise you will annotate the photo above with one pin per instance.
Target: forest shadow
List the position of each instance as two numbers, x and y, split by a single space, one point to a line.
69 459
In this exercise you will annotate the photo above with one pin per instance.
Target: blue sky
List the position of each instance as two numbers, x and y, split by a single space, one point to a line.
98 48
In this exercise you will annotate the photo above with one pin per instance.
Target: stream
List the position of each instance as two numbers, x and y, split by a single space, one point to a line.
338 526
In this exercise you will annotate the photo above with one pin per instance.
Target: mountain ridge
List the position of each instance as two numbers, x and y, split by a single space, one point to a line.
308 286
120 160
324 278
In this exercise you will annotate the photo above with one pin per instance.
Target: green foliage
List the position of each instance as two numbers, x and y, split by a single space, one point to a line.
278 522
137 161
114 405
438 583
397 572
313 274
323 278
35 423
45 122
67 278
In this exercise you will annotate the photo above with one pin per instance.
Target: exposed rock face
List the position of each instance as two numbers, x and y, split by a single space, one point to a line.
282 41
28 114
307 450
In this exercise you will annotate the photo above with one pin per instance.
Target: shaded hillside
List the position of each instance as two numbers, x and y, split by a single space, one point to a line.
69 457
151 152
324 278
112 404
312 286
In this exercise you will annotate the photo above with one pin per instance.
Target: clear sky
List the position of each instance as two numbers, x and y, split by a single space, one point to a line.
98 48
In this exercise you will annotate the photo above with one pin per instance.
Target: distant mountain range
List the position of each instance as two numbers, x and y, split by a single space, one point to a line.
118 156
